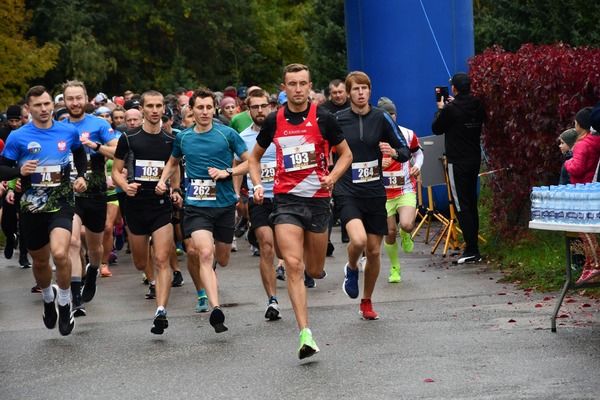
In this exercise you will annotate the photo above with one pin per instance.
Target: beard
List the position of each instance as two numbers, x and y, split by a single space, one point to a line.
76 113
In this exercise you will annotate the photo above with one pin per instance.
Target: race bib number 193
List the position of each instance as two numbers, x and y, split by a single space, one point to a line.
296 158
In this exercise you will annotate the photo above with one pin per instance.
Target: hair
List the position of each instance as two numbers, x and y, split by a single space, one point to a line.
184 111
119 108
257 93
180 91
294 68
202 93
335 83
35 91
150 93
74 83
357 77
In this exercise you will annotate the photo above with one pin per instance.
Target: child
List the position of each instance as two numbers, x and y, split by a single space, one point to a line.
566 141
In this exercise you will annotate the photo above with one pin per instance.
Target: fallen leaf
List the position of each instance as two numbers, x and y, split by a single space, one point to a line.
547 298
510 303
571 301
501 294
538 305
428 380
562 316
586 305
511 321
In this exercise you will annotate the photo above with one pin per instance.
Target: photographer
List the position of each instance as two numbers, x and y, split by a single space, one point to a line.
461 119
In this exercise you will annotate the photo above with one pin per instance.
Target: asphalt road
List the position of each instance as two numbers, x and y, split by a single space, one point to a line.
445 332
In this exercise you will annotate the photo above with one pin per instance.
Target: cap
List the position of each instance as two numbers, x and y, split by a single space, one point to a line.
230 91
120 100
595 118
100 98
386 104
282 98
242 92
102 110
569 137
168 114
273 99
227 100
584 117
462 82
59 98
13 112
129 104
59 113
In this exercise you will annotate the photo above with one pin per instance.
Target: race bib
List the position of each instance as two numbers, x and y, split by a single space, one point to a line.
393 179
201 189
297 158
267 171
148 170
47 176
365 171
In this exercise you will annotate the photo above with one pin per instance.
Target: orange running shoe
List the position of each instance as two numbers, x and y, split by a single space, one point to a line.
104 271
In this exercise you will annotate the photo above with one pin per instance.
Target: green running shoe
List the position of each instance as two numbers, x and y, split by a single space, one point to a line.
394 275
308 347
407 242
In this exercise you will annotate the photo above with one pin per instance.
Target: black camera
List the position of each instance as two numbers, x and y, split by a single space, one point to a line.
441 91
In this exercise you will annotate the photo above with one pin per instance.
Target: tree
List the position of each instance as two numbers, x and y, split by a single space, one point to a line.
511 23
326 41
22 60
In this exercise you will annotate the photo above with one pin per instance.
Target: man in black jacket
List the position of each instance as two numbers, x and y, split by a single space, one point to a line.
461 119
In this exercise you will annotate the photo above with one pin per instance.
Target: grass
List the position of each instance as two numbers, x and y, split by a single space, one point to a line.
535 260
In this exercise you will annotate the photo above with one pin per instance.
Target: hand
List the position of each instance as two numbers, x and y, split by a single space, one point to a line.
259 195
176 199
109 183
161 188
414 171
80 185
387 150
132 189
327 183
217 174
18 186
386 162
29 167
10 197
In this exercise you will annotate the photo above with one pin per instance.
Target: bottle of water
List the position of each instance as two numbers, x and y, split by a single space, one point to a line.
559 204
536 204
570 211
544 206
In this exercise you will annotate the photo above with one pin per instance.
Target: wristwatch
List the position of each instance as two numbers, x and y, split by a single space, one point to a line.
98 145
229 171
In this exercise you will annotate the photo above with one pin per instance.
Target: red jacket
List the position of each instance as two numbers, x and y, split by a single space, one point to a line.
586 154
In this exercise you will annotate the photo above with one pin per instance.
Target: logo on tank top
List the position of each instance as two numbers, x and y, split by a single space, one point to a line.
62 145
294 132
34 147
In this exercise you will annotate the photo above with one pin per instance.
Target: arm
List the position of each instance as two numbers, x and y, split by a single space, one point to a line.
171 167
240 169
254 170
344 159
80 161
120 180
8 169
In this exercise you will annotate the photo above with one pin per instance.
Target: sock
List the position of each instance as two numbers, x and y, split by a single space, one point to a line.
392 251
159 308
48 294
153 283
273 299
201 293
306 329
76 286
64 297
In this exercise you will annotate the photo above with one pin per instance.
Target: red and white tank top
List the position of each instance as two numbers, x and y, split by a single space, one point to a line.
301 156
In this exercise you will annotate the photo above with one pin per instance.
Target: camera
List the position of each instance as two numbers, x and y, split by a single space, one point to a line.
441 91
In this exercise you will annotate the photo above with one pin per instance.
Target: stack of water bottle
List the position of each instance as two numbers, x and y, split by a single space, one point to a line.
567 204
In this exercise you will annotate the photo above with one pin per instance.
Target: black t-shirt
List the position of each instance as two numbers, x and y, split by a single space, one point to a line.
145 155
328 126
333 108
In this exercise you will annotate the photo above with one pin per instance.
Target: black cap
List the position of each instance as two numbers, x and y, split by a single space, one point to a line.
13 112
462 82
129 104
595 118
60 112
168 114
584 118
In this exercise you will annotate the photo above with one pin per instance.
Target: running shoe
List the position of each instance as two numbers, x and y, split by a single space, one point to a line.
151 292
234 245
112 258
308 347
36 289
280 271
144 278
241 228
202 306
78 307
468 258
160 322
273 313
119 237
104 271
9 247
179 250
177 279
330 249
255 251
394 275
24 261
366 310
50 314
350 286
89 289
217 320
308 281
66 320
362 263
407 242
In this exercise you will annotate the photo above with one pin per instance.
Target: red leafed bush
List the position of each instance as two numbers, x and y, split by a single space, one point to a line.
530 96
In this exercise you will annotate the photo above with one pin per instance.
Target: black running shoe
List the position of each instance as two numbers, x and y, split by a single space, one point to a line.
66 320
241 228
468 258
50 314
151 292
78 307
160 322
273 312
36 289
217 320
308 281
24 261
280 271
177 279
330 249
89 289
9 247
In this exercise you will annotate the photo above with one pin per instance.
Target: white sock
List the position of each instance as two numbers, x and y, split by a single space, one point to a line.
48 294
64 297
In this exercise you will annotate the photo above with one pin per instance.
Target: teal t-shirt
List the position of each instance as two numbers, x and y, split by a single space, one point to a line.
215 148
